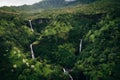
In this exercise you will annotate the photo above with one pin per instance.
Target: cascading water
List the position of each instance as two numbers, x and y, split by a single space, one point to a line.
32 52
66 72
30 22
80 46
70 77
31 45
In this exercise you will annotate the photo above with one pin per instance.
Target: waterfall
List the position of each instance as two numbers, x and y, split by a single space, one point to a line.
30 22
32 53
80 46
31 45
66 72
70 77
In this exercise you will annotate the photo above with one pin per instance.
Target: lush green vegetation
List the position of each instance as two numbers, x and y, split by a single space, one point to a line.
45 5
56 43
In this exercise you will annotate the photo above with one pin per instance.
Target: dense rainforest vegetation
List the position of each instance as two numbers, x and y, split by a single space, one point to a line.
71 43
45 5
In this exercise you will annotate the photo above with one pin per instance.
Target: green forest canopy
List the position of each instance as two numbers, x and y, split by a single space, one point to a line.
56 43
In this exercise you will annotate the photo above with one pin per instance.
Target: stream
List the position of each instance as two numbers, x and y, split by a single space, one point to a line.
67 72
32 52
31 45
31 25
80 46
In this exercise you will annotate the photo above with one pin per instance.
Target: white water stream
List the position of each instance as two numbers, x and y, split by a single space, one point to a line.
66 72
80 45
30 22
32 52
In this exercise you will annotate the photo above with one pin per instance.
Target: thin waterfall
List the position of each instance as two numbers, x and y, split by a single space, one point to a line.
31 45
66 72
70 77
80 45
30 22
32 52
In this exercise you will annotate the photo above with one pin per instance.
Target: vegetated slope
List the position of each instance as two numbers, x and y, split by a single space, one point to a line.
42 5
15 56
45 5
56 44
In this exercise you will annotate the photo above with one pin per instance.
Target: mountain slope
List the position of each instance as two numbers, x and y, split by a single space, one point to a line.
45 5
53 4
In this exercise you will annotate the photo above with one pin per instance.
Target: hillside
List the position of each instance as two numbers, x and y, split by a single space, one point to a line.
46 5
73 43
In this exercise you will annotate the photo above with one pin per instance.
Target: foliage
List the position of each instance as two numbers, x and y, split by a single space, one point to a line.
56 43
